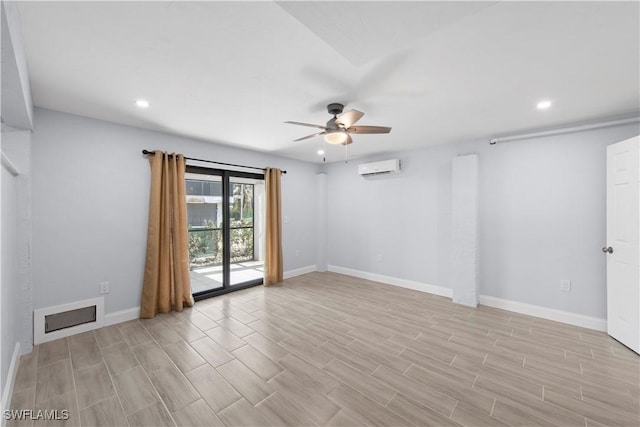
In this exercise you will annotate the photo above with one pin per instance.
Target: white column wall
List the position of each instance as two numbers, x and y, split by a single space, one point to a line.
322 222
464 230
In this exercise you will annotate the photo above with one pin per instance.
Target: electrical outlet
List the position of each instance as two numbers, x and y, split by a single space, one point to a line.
104 288
379 257
565 285
297 253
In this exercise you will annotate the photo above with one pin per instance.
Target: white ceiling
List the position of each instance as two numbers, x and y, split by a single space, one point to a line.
233 72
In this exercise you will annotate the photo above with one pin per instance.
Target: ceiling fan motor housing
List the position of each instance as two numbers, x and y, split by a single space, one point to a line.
335 108
332 125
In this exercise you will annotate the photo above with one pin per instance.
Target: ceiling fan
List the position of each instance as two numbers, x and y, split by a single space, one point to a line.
338 129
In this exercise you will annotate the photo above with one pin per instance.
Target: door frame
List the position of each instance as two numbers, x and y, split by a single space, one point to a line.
226 175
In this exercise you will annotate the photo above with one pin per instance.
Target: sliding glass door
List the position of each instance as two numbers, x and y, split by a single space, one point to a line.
225 212
246 230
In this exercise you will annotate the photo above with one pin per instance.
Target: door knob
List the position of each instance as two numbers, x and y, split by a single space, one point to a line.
607 249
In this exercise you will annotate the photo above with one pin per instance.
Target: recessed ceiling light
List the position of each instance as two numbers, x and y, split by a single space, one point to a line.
543 105
142 103
320 152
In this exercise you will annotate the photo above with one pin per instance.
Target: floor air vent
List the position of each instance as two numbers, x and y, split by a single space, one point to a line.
64 320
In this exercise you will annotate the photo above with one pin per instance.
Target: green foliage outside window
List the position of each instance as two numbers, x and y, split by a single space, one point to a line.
205 244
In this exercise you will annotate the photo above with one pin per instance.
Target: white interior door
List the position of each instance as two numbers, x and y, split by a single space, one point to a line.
623 242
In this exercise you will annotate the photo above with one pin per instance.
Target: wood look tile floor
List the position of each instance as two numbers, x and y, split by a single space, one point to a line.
331 350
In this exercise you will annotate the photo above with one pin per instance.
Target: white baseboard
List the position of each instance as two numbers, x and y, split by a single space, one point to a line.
403 283
514 306
489 301
134 313
299 271
122 316
546 313
11 380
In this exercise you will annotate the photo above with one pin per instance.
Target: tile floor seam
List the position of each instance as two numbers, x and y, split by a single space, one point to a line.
271 394
113 383
567 409
35 383
73 378
158 395
240 396
144 371
455 404
386 405
408 367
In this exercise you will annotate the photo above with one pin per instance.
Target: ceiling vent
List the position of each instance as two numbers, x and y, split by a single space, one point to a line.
379 168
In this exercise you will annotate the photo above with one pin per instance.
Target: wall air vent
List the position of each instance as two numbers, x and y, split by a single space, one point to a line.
68 319
65 320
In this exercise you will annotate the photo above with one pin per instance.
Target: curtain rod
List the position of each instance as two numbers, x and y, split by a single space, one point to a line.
569 129
147 152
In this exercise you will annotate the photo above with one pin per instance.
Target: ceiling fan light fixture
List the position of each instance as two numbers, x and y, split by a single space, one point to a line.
336 137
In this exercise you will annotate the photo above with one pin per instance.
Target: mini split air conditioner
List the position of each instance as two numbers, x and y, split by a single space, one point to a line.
379 168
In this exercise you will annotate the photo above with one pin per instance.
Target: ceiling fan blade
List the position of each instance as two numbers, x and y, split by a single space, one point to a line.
309 136
306 124
349 118
368 129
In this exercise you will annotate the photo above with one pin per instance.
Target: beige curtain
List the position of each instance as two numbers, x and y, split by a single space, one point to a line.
166 284
273 256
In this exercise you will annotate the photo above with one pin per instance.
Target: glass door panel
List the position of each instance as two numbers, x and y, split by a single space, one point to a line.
205 210
226 223
246 230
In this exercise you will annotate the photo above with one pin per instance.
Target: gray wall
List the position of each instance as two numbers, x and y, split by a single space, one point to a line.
541 218
15 226
9 273
541 213
90 206
405 218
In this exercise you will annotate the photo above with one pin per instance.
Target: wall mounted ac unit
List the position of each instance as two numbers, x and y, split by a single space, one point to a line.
379 168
